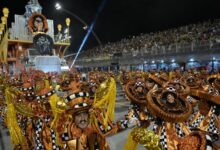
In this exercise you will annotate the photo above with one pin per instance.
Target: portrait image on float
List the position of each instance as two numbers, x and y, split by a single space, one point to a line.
38 26
37 23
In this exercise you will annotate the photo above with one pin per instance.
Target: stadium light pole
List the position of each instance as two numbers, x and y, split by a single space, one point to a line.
59 7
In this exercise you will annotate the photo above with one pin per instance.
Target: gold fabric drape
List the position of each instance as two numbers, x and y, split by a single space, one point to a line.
4 48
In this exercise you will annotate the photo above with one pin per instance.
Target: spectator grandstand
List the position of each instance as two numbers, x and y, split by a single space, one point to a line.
162 41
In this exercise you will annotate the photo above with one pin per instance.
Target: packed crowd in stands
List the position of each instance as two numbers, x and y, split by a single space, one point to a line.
202 33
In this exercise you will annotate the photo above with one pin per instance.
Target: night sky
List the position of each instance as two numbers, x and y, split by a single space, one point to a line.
122 18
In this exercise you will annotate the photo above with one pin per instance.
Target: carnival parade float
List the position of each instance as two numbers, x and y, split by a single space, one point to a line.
31 39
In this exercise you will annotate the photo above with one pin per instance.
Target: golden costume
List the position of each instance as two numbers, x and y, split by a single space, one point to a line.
208 96
92 136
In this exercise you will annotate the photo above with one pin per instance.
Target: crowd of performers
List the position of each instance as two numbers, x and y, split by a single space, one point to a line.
182 109
58 111
168 111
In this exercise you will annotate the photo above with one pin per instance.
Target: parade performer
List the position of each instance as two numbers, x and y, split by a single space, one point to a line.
10 93
136 91
206 118
92 85
170 110
46 136
90 123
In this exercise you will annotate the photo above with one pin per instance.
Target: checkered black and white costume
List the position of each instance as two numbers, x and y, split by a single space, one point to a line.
212 127
197 122
163 138
179 131
38 140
